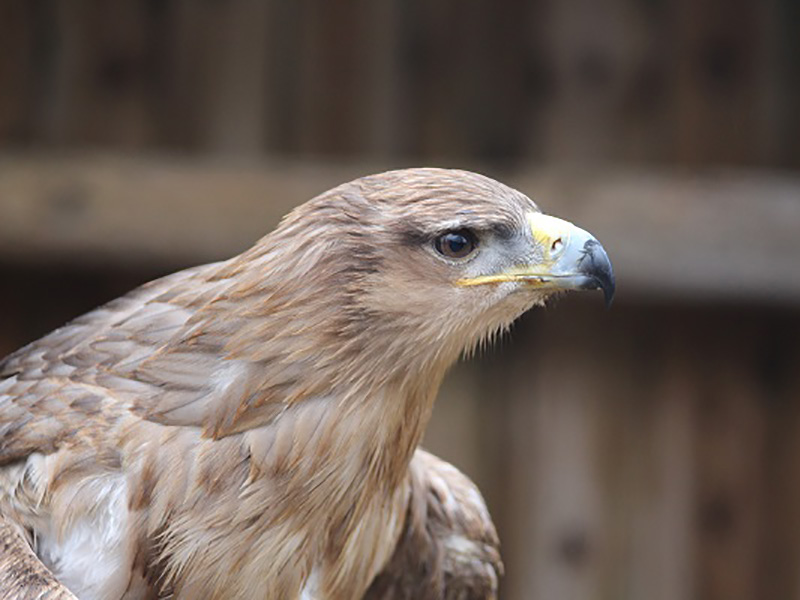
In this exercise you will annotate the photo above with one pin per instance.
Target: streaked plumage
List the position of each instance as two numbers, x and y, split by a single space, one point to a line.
249 428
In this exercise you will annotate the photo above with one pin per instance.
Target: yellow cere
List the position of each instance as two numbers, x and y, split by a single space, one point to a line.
547 230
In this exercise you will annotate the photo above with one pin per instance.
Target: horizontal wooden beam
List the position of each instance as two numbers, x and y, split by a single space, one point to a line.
671 234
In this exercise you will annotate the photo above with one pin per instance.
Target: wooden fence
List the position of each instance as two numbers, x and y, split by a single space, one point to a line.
694 82
650 452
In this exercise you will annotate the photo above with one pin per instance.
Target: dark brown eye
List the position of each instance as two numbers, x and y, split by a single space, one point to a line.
456 244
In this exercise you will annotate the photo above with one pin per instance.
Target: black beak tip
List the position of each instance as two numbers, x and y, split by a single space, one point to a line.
608 287
597 266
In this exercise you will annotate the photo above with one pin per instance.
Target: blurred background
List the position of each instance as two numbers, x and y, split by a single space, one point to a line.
647 452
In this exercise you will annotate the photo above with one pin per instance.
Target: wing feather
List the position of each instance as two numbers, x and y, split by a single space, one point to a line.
449 547
89 372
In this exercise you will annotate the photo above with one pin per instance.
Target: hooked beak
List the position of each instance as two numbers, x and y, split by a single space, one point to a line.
572 259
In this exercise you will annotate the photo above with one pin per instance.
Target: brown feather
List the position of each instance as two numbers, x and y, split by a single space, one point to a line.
21 573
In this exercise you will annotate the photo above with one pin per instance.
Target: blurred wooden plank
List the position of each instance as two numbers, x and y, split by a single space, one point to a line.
675 234
556 546
601 486
778 376
332 68
385 80
786 17
659 521
605 77
146 211
729 463
214 84
701 83
721 81
18 75
237 87
99 73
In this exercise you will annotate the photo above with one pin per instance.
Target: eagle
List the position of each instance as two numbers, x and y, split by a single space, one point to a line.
251 428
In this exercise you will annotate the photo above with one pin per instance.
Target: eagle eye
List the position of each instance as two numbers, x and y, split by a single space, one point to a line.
456 244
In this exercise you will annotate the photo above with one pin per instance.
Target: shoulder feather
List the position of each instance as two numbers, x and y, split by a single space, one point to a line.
449 546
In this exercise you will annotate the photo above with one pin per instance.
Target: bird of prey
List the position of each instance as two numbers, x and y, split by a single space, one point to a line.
250 428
